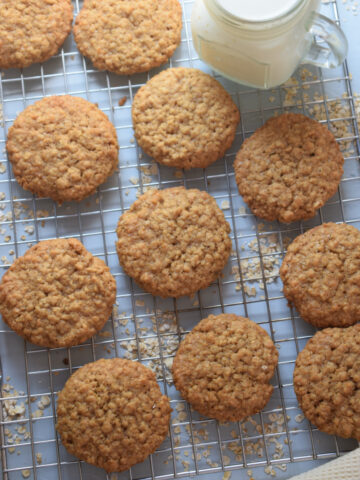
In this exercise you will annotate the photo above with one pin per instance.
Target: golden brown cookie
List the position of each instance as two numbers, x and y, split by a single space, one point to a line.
288 168
62 147
184 118
173 242
128 36
321 275
223 367
32 30
111 413
57 294
327 381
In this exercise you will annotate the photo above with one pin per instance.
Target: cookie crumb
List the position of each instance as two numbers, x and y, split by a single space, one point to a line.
122 101
178 173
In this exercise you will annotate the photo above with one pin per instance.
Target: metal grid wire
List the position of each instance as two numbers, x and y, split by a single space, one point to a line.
195 445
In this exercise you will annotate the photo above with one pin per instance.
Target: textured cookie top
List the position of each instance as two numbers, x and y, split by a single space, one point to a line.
32 30
173 242
128 36
62 147
58 294
111 413
223 367
184 118
327 381
288 168
321 275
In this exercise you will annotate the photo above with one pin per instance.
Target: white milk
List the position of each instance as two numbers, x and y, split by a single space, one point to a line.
261 55
258 10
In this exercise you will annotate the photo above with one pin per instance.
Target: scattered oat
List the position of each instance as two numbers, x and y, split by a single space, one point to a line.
29 229
25 473
5 260
225 205
37 414
226 460
299 418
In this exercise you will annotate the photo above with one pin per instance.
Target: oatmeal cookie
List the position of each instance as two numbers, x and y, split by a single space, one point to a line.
321 275
288 168
32 31
111 413
223 367
62 147
184 118
173 242
127 37
327 381
57 294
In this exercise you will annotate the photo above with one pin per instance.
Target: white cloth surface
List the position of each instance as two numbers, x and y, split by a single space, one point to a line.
346 467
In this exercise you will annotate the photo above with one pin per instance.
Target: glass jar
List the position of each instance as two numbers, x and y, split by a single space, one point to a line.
265 53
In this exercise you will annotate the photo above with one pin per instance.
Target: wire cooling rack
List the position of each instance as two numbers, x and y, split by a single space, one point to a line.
149 329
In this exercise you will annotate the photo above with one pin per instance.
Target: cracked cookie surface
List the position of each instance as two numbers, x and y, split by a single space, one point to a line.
173 242
288 168
57 294
128 36
184 118
62 147
32 31
321 275
223 367
327 381
111 413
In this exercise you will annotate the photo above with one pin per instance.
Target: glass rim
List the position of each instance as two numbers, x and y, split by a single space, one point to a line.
278 19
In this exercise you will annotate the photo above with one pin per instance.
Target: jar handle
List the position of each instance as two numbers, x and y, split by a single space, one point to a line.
334 52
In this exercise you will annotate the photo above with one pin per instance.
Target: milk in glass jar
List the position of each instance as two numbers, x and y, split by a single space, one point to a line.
261 42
